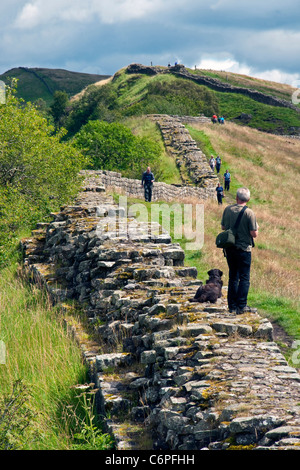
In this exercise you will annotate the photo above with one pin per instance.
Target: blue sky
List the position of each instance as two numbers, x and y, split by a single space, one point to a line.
253 37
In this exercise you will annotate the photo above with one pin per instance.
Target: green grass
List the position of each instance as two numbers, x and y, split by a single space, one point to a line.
138 94
168 171
204 143
264 117
47 362
280 309
35 83
284 311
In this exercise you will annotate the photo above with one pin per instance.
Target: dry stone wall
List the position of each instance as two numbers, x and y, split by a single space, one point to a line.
180 71
180 145
194 376
198 180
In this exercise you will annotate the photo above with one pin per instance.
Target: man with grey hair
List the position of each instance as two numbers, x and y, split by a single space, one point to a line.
239 256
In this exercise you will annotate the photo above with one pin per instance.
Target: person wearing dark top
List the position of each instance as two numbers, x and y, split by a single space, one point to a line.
227 180
218 163
220 193
239 256
147 181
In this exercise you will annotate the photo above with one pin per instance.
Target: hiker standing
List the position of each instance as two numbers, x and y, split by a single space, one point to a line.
147 181
218 164
239 256
212 163
220 193
227 180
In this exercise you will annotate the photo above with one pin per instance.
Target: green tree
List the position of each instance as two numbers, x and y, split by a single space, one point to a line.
96 103
112 146
38 172
58 107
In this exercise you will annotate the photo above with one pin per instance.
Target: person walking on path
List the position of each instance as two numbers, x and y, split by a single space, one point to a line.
239 256
218 164
147 181
212 163
220 193
227 180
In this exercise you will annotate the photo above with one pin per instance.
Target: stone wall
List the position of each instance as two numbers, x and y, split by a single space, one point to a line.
132 188
214 84
191 161
194 376
198 180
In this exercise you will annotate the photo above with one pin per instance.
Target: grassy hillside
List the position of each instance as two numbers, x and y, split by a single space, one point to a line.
129 94
35 83
269 166
280 90
39 352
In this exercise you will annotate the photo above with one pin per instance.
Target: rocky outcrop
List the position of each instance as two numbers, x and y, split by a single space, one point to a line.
195 376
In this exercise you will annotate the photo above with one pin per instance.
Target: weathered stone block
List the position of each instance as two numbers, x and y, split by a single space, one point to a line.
148 357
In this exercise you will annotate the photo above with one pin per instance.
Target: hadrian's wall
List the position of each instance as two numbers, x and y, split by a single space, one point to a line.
170 374
213 83
198 180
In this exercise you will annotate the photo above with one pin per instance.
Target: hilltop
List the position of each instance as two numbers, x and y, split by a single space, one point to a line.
35 83
138 90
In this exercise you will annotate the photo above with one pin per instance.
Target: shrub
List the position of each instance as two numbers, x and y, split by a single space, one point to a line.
38 172
112 146
15 417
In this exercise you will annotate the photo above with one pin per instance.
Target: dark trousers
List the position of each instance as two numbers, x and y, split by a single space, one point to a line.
227 185
148 192
239 263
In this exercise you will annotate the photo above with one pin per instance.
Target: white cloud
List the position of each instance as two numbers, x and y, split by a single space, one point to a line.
226 64
29 17
38 12
229 64
245 37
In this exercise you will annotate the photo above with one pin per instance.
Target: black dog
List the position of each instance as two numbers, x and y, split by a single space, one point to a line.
212 290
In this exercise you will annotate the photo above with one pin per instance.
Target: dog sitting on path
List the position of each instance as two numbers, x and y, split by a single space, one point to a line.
212 290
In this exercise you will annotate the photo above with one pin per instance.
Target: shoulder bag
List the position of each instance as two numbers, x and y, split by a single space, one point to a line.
226 238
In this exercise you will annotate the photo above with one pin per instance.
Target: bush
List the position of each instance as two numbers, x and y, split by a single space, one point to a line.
178 97
96 103
15 417
38 172
112 146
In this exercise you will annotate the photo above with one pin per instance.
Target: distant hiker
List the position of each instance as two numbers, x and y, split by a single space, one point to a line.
227 180
218 164
147 181
214 119
212 163
220 193
222 120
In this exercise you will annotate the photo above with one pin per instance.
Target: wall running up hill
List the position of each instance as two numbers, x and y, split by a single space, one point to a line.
192 376
213 83
198 180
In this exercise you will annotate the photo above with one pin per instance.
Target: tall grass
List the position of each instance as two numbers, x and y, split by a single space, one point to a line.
43 357
269 166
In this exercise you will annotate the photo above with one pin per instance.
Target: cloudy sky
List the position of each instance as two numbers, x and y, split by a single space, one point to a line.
253 37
